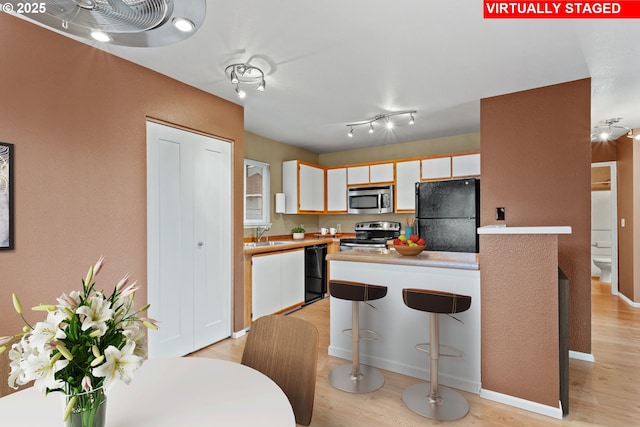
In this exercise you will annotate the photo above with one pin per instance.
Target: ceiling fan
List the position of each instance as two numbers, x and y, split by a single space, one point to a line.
138 23
610 130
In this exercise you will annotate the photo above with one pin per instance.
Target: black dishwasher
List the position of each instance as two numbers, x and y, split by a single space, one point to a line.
315 272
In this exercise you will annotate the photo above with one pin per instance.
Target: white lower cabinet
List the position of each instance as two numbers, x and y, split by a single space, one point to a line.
277 282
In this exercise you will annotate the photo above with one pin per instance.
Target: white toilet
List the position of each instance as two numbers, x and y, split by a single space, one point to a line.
604 264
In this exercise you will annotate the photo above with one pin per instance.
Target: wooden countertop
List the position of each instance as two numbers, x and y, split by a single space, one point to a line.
287 244
461 261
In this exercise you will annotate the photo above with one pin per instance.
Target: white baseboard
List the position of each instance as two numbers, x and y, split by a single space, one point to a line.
628 301
528 405
238 334
587 357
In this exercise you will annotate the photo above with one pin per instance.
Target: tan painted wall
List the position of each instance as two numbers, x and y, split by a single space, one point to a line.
77 118
273 152
542 180
429 147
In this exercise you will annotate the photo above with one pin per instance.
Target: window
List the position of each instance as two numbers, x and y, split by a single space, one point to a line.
256 193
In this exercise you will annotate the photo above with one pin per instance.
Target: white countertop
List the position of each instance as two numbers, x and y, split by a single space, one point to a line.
501 229
456 260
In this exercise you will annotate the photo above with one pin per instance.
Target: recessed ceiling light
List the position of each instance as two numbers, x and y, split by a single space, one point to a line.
100 36
183 24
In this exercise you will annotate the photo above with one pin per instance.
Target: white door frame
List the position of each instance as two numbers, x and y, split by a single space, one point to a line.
614 223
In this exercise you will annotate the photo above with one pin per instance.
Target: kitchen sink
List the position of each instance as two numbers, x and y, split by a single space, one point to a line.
263 244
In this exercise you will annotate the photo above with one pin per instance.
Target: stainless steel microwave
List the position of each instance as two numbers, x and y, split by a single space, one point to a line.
370 200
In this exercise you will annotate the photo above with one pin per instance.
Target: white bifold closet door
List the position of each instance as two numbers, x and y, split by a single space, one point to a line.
188 239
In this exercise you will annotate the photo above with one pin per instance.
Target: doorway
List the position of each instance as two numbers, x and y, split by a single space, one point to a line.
604 196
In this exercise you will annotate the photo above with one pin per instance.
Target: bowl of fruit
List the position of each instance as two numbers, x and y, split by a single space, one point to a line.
410 246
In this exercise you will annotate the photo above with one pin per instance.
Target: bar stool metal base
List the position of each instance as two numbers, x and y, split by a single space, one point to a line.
369 379
451 405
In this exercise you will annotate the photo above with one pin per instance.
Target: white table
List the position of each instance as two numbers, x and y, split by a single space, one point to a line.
171 392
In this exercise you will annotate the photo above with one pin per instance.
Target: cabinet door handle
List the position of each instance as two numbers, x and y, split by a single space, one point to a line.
200 244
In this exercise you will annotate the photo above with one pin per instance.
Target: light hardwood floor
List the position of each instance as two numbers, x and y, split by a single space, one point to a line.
604 393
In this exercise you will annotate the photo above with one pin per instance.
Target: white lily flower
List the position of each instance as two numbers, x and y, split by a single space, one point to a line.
137 334
17 376
119 364
97 313
40 369
55 347
48 330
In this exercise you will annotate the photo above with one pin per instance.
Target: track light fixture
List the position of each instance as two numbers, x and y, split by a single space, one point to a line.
245 74
389 123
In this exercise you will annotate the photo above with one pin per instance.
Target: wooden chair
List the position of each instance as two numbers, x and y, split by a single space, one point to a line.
286 350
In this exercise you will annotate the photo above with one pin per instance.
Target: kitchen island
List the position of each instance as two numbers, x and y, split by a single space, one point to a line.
400 327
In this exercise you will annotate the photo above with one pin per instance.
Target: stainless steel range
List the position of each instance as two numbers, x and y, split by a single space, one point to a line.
371 235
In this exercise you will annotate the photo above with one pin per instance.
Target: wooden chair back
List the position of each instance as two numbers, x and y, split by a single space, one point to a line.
286 350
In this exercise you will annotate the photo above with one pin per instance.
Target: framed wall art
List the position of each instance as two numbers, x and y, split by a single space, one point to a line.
6 196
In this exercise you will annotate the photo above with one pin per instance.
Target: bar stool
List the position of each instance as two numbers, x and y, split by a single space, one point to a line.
431 399
356 378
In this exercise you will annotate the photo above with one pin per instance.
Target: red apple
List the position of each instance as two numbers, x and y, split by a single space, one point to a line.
414 238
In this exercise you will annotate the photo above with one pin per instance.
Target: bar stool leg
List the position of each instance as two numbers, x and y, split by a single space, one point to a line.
433 400
356 378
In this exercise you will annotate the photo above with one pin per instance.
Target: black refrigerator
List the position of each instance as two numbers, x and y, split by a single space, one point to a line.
448 214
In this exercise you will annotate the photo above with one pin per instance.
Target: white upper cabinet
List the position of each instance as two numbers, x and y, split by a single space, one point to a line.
437 168
382 172
303 186
370 174
466 165
358 175
311 188
337 190
407 174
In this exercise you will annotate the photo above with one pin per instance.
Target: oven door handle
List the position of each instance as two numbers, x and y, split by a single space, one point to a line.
364 245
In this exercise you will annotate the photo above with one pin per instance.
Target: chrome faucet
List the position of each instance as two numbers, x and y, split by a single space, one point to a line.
260 232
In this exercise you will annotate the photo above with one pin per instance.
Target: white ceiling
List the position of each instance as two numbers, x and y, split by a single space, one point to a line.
333 62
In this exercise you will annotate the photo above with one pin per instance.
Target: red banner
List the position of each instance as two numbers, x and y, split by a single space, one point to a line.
625 9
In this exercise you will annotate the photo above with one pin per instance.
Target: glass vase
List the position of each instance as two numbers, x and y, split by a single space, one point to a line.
89 409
